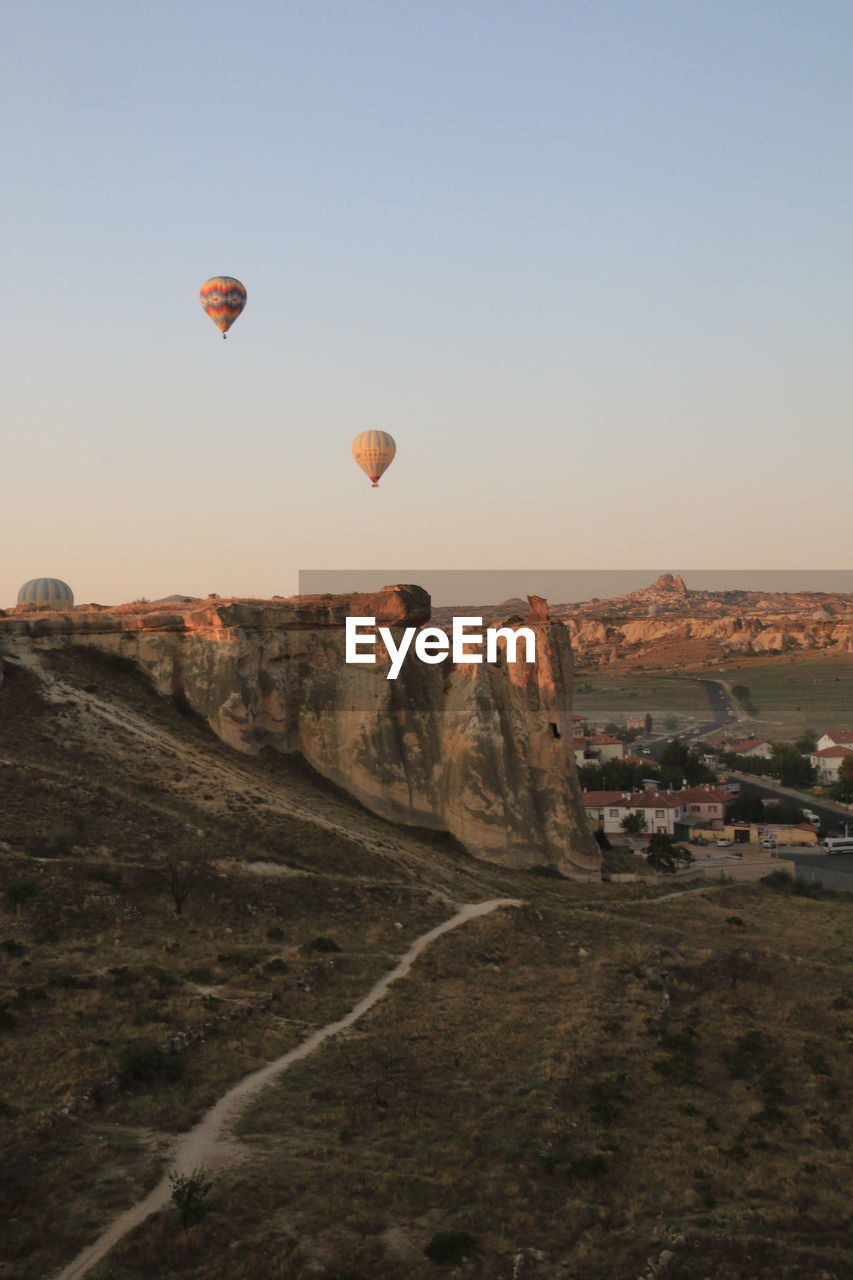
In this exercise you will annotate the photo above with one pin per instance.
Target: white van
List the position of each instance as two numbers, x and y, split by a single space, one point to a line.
838 844
811 817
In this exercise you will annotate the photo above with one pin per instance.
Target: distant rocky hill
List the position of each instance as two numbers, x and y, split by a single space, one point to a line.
668 623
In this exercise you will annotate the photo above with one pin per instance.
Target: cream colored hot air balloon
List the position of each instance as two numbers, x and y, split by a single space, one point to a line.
374 452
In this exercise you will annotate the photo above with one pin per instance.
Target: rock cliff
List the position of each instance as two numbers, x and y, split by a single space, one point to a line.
481 751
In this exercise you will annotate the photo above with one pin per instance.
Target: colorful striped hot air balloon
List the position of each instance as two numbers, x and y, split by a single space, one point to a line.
374 452
47 593
223 298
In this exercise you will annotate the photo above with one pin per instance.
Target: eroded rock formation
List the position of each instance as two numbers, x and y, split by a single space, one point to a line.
480 750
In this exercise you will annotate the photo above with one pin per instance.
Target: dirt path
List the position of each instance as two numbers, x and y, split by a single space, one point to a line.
211 1136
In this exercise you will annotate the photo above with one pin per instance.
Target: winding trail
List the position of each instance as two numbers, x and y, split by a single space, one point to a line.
211 1133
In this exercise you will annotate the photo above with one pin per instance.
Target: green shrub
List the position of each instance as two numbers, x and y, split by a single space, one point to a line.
8 1020
322 944
451 1246
19 892
12 947
189 1196
146 1063
588 1168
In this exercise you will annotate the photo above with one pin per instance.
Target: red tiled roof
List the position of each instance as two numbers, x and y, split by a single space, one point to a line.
599 739
655 800
832 753
704 794
597 798
740 745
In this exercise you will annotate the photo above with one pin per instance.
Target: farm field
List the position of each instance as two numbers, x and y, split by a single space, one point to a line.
613 697
791 694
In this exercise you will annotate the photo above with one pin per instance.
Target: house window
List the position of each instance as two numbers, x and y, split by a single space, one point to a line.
694 808
713 808
614 813
658 813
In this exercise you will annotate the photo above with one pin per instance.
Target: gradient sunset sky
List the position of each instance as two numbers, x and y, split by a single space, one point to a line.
591 264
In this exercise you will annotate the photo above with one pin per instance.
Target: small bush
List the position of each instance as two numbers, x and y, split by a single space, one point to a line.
189 1196
202 974
146 1063
322 944
276 965
451 1246
12 947
606 1098
589 1168
18 892
275 934
8 1020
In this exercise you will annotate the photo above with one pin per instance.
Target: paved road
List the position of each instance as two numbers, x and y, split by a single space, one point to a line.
834 871
724 711
832 816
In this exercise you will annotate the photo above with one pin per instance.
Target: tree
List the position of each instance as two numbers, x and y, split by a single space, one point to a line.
189 1196
678 764
663 854
671 722
791 768
634 823
649 722
179 875
807 742
611 775
747 807
843 789
783 811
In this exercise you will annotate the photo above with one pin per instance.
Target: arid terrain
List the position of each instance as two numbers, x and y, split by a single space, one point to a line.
604 1080
667 625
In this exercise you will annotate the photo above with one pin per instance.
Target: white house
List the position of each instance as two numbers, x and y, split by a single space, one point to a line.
835 738
828 760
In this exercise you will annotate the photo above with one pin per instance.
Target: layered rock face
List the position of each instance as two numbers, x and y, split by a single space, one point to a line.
482 751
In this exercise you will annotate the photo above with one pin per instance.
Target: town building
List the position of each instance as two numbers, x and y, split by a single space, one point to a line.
828 761
835 738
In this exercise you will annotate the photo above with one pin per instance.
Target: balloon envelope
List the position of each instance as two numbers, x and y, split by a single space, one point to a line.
47 593
223 298
374 452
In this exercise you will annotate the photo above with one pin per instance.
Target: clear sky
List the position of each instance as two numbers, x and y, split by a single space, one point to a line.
589 261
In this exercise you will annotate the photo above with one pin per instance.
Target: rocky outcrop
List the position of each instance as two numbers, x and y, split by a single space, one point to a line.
482 751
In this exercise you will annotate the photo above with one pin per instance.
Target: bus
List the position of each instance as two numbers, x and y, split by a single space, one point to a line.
838 844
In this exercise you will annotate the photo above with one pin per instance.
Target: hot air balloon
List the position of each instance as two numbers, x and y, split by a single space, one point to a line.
374 452
46 593
223 298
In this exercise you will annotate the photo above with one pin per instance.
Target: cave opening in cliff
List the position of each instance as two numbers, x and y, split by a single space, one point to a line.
555 732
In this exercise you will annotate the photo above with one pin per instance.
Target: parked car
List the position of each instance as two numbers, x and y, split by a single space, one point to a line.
811 817
769 843
724 842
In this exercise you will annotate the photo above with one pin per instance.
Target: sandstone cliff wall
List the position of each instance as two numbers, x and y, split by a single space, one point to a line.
482 751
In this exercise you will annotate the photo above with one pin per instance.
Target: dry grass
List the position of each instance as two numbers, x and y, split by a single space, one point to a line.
681 1086
578 1081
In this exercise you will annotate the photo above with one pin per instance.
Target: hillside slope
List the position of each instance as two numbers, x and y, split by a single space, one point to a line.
584 1084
